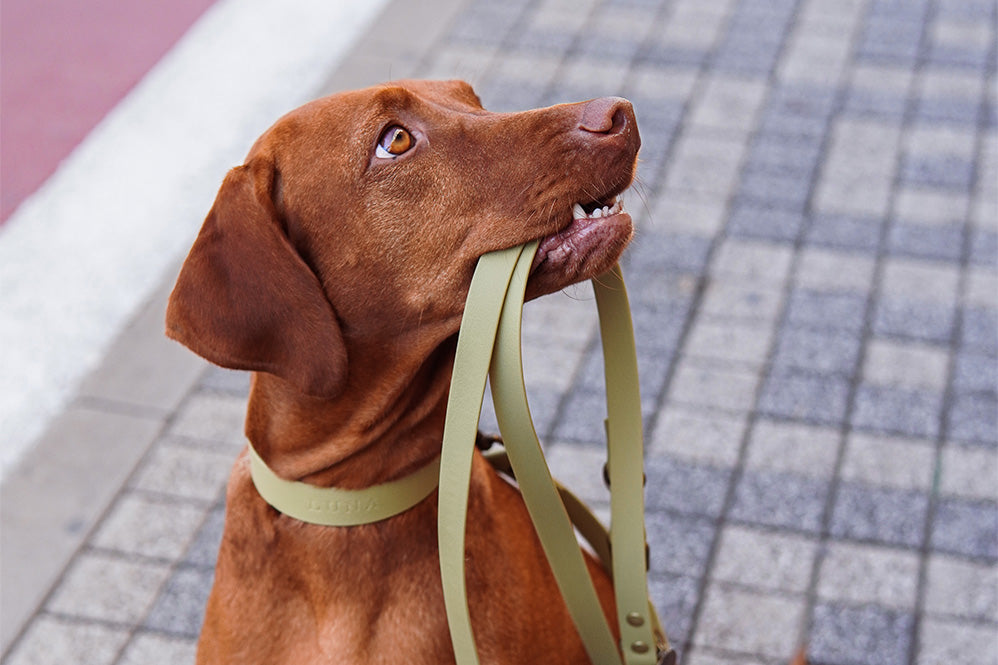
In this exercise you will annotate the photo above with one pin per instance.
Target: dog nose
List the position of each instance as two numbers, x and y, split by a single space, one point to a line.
607 115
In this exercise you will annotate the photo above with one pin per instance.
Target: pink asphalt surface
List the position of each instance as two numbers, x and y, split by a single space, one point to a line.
63 65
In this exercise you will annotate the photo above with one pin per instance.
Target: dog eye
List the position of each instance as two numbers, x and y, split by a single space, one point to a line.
393 142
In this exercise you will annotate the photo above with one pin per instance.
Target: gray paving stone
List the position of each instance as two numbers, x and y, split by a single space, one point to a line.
886 105
697 436
973 418
945 641
148 526
764 560
707 385
826 311
774 152
184 471
752 261
211 418
965 10
729 342
899 9
684 253
555 43
777 191
890 40
845 232
659 327
984 247
108 588
813 351
179 610
679 544
484 24
813 398
203 550
943 171
903 364
685 488
913 319
959 588
154 649
801 128
583 418
749 621
979 329
780 500
823 269
750 219
930 207
966 527
859 574
899 463
793 448
969 472
909 279
56 641
888 516
868 635
937 243
943 109
688 213
895 410
728 103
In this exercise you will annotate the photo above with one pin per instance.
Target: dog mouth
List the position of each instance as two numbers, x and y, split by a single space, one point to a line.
597 233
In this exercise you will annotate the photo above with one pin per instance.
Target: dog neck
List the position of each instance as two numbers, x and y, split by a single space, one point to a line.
386 423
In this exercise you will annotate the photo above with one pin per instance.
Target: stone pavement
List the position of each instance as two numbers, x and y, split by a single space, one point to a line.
816 306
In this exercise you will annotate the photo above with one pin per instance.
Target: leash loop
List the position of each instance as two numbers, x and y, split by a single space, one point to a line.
490 339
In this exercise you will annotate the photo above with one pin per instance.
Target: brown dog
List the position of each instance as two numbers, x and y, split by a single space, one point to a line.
335 264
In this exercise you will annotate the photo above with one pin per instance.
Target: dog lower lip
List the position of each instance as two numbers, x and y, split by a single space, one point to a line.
580 231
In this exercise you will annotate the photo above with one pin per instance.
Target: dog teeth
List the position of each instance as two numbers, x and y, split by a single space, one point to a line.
578 212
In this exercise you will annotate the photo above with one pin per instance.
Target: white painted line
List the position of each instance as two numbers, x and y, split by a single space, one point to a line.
83 253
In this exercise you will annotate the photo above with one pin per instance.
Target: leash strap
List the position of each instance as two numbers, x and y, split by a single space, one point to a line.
464 406
330 506
643 641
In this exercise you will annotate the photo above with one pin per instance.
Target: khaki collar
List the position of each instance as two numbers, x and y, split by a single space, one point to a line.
331 506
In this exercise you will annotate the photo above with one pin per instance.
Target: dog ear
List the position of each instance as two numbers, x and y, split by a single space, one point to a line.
245 299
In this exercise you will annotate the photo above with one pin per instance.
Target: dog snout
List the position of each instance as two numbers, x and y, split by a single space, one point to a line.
607 115
611 117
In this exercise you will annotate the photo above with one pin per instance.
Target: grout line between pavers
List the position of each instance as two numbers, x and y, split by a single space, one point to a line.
949 391
92 530
738 468
866 333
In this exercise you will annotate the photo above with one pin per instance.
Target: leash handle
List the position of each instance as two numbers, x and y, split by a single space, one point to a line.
551 522
625 463
490 337
464 405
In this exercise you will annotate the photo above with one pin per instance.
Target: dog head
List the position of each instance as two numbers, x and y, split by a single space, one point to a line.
361 217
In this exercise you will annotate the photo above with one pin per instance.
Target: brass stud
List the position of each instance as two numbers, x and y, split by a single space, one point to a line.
635 619
639 647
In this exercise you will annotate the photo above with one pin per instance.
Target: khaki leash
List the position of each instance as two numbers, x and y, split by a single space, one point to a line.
490 338
642 639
